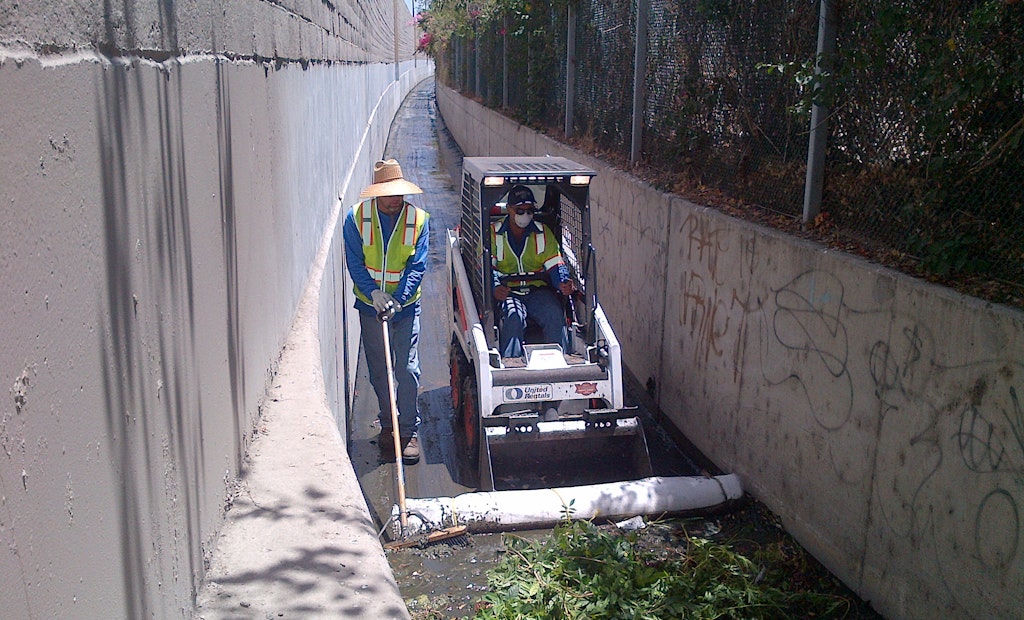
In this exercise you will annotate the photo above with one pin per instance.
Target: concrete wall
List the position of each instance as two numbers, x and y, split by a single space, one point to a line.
306 31
168 172
880 416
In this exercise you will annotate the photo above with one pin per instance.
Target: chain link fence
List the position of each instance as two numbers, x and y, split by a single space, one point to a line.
923 102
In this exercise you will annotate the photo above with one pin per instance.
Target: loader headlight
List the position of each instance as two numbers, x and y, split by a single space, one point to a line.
579 179
494 181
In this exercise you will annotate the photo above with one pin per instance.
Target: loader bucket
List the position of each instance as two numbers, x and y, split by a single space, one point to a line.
559 454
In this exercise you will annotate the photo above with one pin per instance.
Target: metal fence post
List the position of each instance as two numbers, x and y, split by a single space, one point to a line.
570 69
455 63
504 64
476 60
815 181
463 64
643 8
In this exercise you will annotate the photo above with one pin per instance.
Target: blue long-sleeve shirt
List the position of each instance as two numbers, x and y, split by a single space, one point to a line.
412 276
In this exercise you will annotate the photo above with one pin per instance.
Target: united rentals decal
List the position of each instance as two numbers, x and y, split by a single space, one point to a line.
529 392
586 389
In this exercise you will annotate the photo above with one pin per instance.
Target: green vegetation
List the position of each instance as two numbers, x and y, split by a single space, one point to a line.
585 572
447 19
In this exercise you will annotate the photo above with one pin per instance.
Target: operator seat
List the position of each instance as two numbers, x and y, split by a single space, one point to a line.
548 211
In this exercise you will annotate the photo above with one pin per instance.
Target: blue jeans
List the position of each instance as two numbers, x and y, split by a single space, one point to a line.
541 307
404 335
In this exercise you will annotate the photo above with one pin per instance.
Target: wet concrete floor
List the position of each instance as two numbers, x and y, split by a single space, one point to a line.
431 159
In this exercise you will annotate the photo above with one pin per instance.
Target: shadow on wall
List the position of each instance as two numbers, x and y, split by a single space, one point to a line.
236 354
120 391
168 25
154 408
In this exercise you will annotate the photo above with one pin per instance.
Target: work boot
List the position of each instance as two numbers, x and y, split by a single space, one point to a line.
410 450
386 444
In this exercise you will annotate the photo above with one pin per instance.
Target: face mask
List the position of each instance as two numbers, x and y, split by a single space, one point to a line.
523 219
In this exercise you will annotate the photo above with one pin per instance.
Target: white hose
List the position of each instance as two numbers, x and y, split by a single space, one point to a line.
494 511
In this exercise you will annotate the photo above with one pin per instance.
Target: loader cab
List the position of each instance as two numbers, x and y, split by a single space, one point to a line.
561 188
551 417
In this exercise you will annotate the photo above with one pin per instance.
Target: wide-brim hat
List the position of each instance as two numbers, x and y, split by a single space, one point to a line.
388 181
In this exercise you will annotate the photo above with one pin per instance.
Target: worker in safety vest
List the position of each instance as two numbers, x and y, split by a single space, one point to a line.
386 241
520 245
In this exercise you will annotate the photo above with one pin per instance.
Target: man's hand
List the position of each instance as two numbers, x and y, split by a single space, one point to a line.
566 288
384 303
501 292
388 314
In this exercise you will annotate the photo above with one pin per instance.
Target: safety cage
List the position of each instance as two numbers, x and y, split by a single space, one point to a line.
562 189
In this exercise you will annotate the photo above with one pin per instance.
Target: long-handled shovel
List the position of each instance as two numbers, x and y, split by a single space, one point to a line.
395 434
403 510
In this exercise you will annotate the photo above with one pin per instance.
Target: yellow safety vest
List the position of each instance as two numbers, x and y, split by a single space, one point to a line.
386 264
540 253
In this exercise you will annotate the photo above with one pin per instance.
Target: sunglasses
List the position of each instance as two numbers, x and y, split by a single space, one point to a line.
523 208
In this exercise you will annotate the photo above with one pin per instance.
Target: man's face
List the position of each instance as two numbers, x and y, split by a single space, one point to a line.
390 205
514 210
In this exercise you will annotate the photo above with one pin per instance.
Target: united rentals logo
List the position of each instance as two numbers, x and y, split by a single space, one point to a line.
586 389
529 392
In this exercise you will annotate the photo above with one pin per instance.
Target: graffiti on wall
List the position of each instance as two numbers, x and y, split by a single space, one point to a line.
805 360
990 446
923 419
706 302
807 327
950 474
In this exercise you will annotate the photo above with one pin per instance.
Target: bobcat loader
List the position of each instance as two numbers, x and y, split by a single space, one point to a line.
548 432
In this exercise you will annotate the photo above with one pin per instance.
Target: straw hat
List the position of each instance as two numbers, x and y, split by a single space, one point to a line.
388 181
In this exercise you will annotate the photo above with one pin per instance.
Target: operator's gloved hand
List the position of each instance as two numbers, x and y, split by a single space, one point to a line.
384 304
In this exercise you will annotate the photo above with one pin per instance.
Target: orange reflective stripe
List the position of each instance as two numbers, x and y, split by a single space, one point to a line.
410 227
366 224
389 276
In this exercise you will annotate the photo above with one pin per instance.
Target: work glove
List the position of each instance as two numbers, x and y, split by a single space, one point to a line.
384 304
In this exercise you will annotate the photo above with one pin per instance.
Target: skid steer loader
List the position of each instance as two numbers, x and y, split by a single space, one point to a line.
551 419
